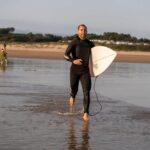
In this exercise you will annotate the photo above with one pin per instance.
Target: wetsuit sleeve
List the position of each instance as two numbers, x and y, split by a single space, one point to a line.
68 52
92 44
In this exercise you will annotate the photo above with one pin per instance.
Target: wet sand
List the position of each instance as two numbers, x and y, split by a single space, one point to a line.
56 51
35 115
34 110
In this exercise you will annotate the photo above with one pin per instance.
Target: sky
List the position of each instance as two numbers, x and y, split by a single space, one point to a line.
61 17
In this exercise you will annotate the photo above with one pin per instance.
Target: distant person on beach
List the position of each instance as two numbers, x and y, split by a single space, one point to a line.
78 53
3 55
5 51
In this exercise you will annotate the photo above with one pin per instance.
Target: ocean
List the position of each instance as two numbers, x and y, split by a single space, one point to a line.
35 114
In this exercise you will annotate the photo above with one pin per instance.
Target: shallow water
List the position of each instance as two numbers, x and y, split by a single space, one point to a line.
34 111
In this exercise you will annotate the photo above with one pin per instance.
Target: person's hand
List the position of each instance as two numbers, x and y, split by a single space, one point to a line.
77 62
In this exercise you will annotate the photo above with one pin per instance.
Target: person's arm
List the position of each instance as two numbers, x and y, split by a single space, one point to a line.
68 56
68 51
92 44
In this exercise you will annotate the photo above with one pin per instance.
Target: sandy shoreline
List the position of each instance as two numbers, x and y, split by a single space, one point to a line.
56 51
34 110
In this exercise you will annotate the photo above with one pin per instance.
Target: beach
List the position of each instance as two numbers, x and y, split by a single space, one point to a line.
56 51
35 114
34 109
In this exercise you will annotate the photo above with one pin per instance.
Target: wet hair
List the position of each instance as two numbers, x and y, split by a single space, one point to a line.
83 25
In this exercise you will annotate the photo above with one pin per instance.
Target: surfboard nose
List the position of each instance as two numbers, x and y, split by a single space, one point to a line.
101 58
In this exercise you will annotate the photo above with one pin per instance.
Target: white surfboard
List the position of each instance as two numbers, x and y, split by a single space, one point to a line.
100 60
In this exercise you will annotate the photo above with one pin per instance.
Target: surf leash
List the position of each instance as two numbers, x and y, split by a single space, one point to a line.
98 101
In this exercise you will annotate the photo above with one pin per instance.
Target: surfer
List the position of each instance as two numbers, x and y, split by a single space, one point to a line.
78 52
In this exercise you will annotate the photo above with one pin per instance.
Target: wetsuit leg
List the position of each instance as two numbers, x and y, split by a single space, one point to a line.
86 86
74 82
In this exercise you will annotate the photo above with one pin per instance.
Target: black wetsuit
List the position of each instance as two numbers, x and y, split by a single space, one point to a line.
80 49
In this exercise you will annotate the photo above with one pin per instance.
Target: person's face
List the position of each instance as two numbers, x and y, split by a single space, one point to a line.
82 32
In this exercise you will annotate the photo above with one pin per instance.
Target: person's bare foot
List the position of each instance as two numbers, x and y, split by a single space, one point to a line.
71 101
86 117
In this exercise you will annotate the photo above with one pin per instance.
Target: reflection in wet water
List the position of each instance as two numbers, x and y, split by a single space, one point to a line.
34 97
72 137
3 67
